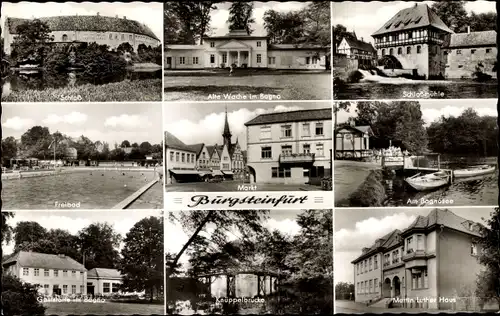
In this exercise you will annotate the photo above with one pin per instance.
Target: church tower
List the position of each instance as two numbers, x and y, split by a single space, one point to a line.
227 134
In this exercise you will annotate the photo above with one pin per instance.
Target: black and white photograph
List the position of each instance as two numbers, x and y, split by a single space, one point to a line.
82 156
416 153
81 52
82 263
432 260
256 262
247 50
414 50
248 146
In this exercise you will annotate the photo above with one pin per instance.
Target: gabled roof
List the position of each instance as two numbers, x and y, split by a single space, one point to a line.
103 273
292 116
445 218
94 23
173 142
387 241
197 148
417 16
472 39
358 44
362 128
30 259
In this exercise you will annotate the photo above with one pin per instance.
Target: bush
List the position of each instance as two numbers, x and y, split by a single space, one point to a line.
371 192
19 298
354 76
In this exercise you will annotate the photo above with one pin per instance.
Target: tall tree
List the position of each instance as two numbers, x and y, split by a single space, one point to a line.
344 290
125 144
35 142
317 23
453 14
7 229
285 27
31 42
28 232
189 21
240 16
99 242
483 21
142 263
9 148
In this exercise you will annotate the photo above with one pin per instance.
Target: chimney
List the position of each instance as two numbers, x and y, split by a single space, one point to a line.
468 29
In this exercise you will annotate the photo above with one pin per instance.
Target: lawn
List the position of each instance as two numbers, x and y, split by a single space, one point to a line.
136 90
107 308
198 86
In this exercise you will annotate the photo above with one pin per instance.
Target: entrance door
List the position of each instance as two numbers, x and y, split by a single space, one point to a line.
169 62
396 283
90 290
386 289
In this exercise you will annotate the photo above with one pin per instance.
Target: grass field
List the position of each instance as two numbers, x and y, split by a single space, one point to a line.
288 86
136 90
107 308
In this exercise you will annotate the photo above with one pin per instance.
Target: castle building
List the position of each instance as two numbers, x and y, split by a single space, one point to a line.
103 30
244 51
290 147
417 42
435 257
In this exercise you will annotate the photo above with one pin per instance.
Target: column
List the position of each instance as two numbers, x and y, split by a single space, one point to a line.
239 65
249 59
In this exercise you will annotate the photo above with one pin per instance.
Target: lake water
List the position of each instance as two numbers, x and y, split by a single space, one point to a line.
93 189
40 80
456 89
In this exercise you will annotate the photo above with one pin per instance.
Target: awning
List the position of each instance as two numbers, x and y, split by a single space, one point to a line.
203 173
217 173
183 171
229 173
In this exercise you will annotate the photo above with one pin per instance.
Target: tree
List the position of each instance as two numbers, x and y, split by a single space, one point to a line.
483 21
142 263
240 16
344 290
9 149
135 145
145 148
125 144
99 242
317 23
125 48
27 232
285 27
453 14
35 142
19 298
488 282
32 42
7 230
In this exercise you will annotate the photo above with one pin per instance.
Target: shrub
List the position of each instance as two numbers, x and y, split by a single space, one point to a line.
19 298
354 76
371 192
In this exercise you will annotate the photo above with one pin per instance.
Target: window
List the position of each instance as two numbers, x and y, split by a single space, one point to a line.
284 172
419 49
37 272
459 52
366 286
286 131
395 256
383 52
65 273
308 60
319 129
391 51
400 51
358 290
408 50
171 156
224 58
26 271
105 287
110 36
195 60
73 289
65 38
409 245
259 58
182 60
130 37
286 150
212 44
370 263
366 265
315 60
488 50
473 249
371 287
116 36
420 242
420 279
46 289
115 287
375 263
357 268
375 285
387 259
265 132
123 37
259 43
46 272
225 166
266 153
320 150
272 60
82 289
56 272
306 149
212 58
65 289
472 51
177 155
73 274
183 155
306 131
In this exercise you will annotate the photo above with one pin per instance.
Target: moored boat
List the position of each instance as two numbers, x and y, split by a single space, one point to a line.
429 181
473 171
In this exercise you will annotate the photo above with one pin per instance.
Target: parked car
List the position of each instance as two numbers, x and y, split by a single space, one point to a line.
215 179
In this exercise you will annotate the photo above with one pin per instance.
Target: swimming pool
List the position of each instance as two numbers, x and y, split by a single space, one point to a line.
93 189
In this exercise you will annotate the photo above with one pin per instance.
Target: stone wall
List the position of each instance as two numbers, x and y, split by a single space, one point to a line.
461 63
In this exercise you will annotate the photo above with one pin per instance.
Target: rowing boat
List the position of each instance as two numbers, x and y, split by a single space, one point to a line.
473 171
428 182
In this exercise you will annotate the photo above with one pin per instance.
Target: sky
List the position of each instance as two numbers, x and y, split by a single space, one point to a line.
198 122
110 122
219 17
175 237
358 228
73 221
150 14
432 110
365 18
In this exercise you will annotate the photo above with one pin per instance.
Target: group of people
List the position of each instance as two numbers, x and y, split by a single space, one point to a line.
392 151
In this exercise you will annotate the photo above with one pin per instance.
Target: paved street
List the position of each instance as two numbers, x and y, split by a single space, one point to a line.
350 307
229 186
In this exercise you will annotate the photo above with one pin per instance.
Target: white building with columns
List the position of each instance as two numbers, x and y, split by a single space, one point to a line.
241 50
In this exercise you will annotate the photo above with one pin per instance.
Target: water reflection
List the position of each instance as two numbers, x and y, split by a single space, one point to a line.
40 80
